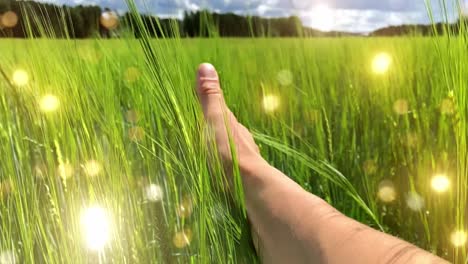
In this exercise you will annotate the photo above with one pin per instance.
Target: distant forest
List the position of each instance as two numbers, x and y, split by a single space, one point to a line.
48 20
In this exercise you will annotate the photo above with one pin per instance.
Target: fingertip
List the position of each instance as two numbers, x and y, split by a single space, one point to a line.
207 70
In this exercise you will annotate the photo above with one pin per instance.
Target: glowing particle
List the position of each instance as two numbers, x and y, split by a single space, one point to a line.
132 74
109 20
20 78
447 107
411 140
370 167
440 183
96 227
458 238
401 107
285 77
65 170
136 133
387 192
271 103
49 103
9 19
132 116
381 63
8 257
182 239
6 188
414 201
185 209
154 193
92 168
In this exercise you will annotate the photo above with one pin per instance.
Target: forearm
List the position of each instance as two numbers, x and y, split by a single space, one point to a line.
294 226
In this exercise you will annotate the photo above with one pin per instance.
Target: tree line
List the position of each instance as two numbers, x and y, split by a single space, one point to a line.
49 20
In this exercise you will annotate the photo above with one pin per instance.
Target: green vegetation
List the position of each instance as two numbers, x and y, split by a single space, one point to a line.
375 126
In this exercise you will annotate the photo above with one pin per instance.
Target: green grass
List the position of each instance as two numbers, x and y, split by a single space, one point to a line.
335 132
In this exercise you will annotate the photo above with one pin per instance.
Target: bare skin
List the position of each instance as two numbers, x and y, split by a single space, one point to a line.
290 224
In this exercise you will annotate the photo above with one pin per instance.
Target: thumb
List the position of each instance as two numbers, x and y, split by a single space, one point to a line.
210 94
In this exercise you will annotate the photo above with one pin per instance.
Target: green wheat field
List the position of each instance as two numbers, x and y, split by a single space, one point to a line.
104 157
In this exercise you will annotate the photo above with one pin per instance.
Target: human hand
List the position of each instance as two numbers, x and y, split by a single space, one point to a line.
224 124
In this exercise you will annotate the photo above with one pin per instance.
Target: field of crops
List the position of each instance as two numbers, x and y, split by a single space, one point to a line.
104 157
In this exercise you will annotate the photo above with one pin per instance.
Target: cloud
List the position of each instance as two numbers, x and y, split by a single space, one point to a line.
348 15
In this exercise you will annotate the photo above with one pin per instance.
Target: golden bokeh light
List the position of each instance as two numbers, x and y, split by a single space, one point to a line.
401 107
387 192
65 170
132 74
414 201
49 103
447 107
132 116
183 238
8 257
20 77
92 168
6 189
185 209
9 19
370 167
440 183
285 77
109 20
271 103
458 238
154 193
381 63
96 228
136 133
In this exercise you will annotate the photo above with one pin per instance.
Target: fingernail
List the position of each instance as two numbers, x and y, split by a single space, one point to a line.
207 70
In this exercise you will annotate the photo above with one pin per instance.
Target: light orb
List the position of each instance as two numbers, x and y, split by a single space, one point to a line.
401 107
92 168
381 63
270 103
20 77
285 77
458 238
182 239
185 209
49 103
109 20
96 228
440 183
65 170
387 192
9 19
414 201
154 193
8 257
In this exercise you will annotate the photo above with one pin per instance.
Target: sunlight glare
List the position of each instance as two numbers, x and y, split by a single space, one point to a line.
8 257
458 238
20 77
49 103
271 103
440 183
96 227
381 63
322 18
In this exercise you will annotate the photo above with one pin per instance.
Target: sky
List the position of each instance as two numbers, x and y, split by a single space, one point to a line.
361 16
